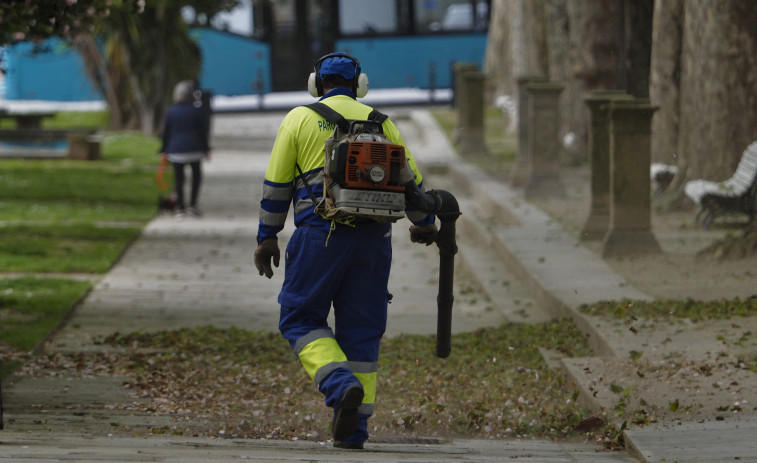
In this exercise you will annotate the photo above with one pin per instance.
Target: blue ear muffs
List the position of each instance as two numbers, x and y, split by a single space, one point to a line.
360 84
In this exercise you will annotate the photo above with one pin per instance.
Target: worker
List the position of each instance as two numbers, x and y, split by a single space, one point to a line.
327 261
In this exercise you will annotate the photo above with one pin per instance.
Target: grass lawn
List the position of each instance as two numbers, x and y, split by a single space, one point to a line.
501 145
60 217
32 306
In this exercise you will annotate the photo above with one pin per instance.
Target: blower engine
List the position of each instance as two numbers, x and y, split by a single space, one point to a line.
367 173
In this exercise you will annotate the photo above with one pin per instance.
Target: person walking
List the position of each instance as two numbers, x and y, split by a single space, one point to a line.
185 141
328 262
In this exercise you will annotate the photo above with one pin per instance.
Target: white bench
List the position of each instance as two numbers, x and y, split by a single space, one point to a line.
735 195
661 175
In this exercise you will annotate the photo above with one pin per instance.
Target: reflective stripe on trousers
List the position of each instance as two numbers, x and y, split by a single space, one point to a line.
321 356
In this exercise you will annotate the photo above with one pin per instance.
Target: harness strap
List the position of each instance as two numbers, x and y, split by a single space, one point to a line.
330 115
304 181
336 118
377 116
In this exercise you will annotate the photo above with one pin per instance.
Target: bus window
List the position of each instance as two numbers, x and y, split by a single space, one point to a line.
367 17
452 16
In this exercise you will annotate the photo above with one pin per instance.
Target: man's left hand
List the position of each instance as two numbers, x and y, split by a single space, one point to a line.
425 234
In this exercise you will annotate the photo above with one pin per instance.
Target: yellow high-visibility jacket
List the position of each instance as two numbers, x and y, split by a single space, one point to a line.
300 142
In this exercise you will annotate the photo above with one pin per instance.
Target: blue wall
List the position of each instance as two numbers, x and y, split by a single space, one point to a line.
236 65
55 73
232 64
399 62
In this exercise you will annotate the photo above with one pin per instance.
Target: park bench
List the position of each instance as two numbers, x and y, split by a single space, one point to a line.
738 194
83 144
27 120
662 175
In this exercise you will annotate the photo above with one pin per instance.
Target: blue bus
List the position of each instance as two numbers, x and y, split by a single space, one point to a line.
270 46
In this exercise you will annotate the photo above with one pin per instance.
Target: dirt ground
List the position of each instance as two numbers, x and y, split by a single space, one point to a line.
676 273
688 371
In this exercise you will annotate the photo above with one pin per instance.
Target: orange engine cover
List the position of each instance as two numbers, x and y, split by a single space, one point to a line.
368 165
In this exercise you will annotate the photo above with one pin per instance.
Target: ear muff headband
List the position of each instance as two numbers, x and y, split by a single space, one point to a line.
360 83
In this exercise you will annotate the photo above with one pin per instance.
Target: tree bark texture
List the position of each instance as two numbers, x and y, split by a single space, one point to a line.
517 45
98 71
498 62
639 47
574 42
592 52
718 86
700 69
560 70
665 79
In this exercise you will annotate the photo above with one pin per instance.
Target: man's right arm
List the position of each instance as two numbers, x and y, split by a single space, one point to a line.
277 186
274 204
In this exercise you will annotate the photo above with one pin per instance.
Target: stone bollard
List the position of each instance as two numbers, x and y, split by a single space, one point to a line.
544 139
84 146
598 221
521 171
458 69
470 114
630 229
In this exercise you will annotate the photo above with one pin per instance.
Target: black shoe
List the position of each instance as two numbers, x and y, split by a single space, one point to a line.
340 445
345 417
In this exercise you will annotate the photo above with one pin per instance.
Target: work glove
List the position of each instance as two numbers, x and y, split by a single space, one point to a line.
267 249
425 234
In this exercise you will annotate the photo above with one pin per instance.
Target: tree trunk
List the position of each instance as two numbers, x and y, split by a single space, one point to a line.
498 61
99 73
593 59
517 44
639 49
141 57
718 86
560 69
665 79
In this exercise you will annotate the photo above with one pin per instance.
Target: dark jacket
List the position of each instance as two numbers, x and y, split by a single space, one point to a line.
186 130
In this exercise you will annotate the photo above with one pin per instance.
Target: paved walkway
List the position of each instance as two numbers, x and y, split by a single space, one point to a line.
199 272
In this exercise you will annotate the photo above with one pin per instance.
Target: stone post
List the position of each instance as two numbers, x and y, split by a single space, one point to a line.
598 221
84 146
630 203
521 172
544 139
458 69
470 114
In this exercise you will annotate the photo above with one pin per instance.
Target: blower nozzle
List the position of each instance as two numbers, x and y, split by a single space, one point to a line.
445 206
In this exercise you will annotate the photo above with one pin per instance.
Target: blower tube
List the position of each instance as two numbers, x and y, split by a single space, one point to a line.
444 205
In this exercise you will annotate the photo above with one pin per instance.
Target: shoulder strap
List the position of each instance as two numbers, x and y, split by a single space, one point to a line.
377 116
330 115
336 118
305 182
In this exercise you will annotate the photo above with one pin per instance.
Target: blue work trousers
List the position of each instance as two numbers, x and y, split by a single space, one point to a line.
349 268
